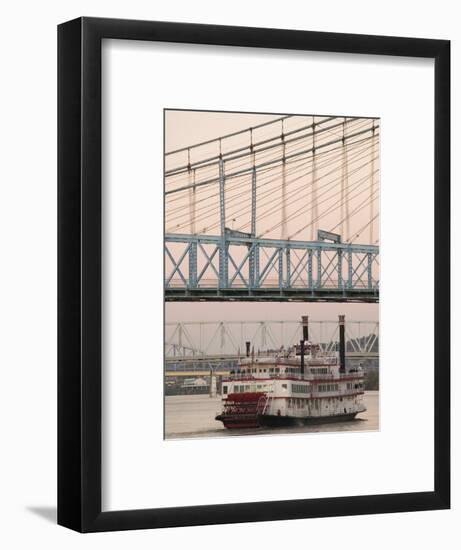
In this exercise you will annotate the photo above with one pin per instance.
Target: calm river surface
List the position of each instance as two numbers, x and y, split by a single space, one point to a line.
193 416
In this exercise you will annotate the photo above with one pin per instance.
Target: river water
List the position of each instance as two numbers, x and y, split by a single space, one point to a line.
188 416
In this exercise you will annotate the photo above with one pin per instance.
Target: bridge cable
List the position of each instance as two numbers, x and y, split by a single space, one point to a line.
356 157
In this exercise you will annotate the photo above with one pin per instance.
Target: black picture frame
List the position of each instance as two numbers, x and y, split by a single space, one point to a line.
79 274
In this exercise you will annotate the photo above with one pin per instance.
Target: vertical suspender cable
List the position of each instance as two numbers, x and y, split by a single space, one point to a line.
343 184
372 181
253 256
314 185
344 188
222 216
194 200
253 187
191 183
284 187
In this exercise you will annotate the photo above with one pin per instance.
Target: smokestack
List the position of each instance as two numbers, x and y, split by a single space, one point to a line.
248 344
342 345
305 320
301 344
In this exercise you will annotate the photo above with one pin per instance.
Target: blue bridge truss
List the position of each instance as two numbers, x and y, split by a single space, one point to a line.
206 267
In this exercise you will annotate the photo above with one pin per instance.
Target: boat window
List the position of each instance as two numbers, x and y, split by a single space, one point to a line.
224 389
284 386
277 370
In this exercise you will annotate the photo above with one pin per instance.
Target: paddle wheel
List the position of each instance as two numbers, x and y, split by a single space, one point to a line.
241 410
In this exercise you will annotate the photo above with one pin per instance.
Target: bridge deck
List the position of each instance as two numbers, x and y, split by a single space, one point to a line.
272 295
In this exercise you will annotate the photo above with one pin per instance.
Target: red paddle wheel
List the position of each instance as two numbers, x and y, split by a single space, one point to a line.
241 410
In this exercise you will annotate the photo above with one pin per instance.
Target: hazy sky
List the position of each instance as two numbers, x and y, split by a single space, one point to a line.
265 311
187 127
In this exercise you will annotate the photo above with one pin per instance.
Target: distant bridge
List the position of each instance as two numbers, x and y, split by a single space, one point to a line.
188 344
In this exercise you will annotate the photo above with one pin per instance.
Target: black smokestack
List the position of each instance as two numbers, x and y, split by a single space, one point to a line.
248 344
342 345
305 320
301 350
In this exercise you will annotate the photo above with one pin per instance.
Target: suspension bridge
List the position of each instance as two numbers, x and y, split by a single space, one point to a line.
214 342
283 210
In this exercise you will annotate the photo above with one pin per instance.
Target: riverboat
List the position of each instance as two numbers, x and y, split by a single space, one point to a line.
295 386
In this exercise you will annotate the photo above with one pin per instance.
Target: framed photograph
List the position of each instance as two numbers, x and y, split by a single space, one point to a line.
254 274
262 226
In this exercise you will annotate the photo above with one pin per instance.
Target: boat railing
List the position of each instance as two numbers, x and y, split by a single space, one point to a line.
317 360
336 393
298 376
332 393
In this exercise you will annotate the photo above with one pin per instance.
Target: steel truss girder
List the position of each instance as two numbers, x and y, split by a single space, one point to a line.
269 269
